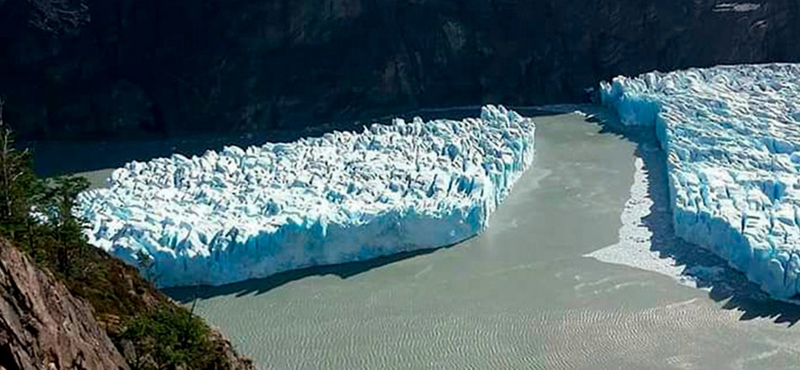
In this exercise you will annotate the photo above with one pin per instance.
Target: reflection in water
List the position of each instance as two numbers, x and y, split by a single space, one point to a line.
522 295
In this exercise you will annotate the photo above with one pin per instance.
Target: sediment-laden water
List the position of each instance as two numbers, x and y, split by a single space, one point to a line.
556 282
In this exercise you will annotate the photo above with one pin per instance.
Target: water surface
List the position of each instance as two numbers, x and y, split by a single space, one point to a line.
578 269
525 294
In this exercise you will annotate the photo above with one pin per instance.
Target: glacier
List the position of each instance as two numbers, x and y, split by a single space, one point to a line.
247 213
731 135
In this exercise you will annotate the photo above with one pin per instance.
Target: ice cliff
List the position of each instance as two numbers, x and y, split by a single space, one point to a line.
248 213
732 139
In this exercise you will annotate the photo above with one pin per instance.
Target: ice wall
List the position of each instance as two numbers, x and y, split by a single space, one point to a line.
732 139
248 213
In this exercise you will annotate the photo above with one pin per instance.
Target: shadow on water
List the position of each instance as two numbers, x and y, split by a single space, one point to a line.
709 271
724 284
263 285
61 157
345 270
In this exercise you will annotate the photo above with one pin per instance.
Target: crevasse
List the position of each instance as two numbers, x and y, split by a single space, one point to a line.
732 138
249 213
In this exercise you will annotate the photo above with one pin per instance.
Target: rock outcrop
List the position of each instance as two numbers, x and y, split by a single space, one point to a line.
123 67
42 326
233 359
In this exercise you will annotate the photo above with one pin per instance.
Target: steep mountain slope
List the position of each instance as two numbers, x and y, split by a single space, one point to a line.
89 68
42 326
44 322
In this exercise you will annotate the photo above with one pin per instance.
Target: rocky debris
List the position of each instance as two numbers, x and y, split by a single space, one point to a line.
234 359
42 326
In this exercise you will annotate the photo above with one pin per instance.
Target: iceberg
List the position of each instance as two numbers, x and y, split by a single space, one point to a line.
247 213
731 135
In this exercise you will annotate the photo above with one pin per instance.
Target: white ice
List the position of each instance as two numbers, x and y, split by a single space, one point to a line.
732 140
249 213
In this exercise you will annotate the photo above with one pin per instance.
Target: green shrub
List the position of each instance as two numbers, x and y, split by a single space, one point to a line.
168 338
155 333
51 234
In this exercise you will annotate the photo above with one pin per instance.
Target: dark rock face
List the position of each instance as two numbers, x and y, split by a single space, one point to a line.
125 67
42 326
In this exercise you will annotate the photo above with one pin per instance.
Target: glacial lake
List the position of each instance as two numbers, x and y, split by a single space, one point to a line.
533 291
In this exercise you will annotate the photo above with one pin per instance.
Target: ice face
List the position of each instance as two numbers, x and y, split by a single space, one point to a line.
732 138
248 213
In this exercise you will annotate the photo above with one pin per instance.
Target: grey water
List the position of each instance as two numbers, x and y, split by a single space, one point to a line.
523 294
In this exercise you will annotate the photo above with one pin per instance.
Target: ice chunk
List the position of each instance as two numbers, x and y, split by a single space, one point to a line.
732 140
248 213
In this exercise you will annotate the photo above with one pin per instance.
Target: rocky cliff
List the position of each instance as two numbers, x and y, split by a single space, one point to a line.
42 326
91 68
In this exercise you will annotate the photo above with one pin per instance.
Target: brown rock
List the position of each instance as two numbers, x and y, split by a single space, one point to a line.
223 345
42 326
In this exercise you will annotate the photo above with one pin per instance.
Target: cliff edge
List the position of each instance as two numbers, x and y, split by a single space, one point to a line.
42 326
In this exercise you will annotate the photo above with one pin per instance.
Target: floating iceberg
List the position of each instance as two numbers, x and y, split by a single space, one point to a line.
248 213
732 140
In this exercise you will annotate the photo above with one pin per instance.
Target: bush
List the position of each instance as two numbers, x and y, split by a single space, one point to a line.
36 215
52 234
168 338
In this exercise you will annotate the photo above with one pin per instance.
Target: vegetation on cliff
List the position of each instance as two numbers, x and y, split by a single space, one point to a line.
150 330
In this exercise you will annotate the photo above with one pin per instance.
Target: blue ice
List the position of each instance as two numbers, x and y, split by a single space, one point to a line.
732 139
251 212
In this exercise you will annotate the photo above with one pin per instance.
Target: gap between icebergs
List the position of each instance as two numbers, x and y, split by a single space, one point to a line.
249 213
